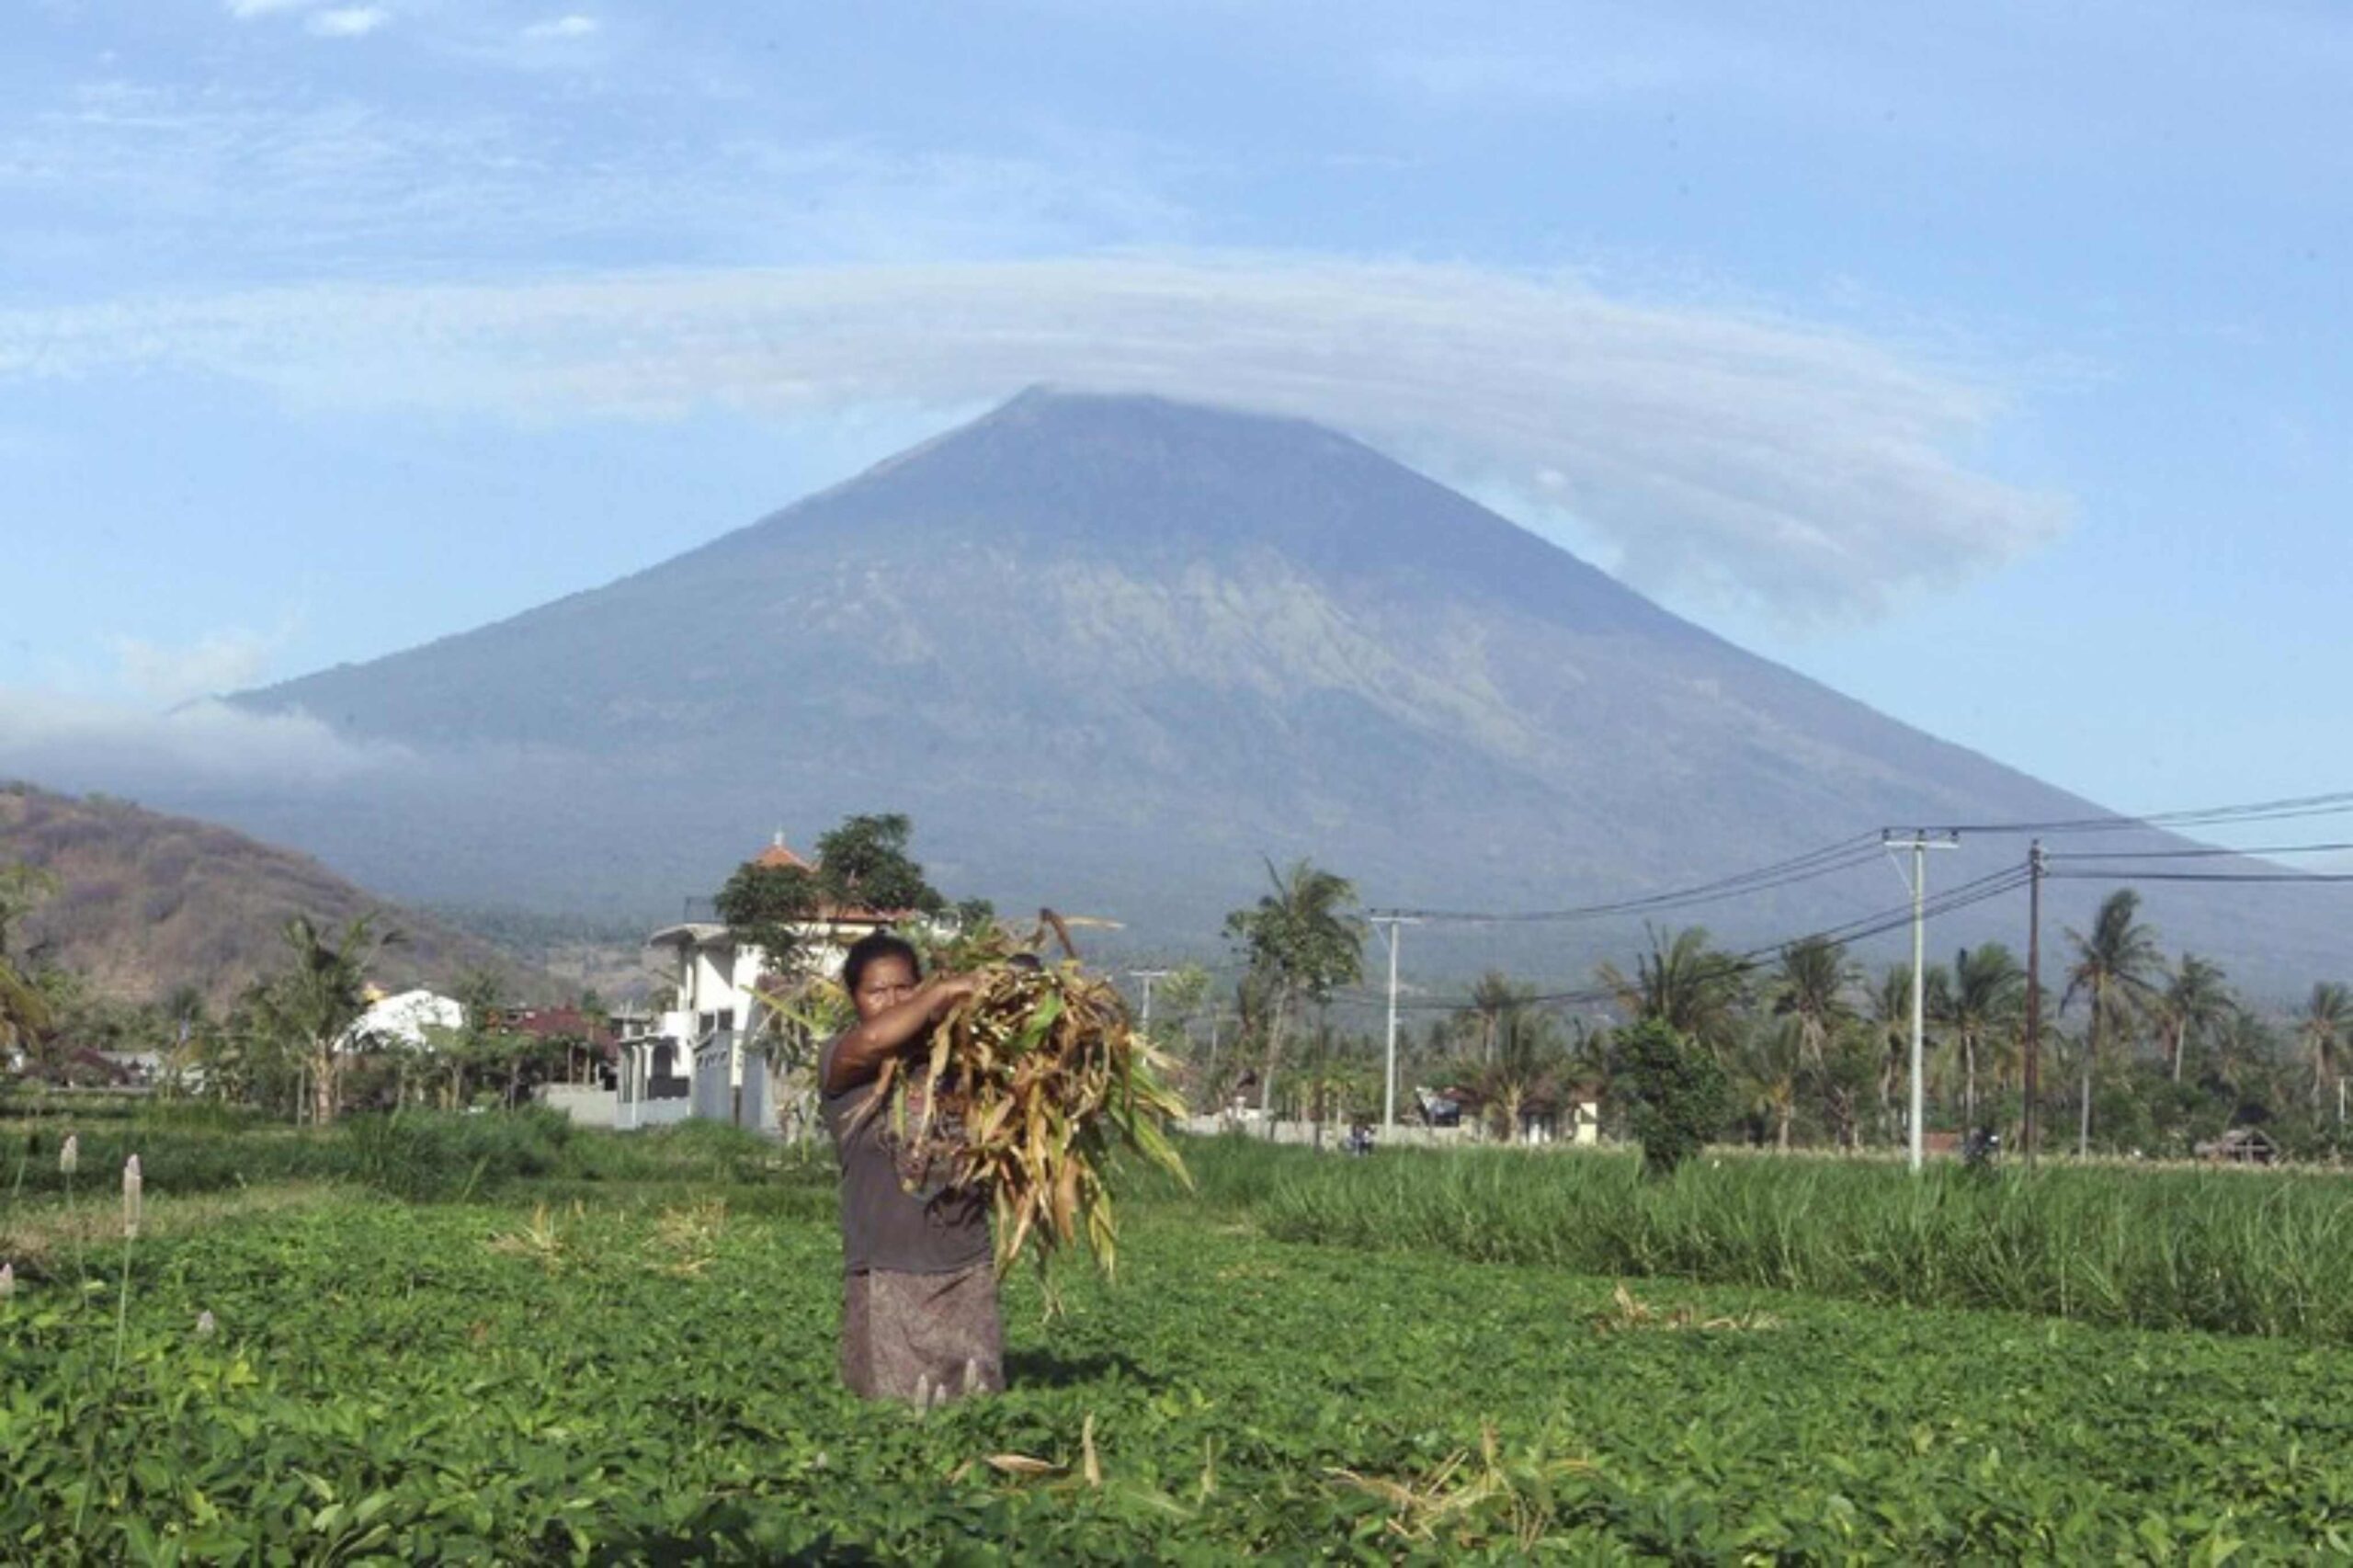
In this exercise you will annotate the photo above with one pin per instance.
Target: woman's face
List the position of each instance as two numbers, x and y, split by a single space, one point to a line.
887 982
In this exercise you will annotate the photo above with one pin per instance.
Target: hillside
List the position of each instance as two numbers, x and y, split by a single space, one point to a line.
150 903
1112 652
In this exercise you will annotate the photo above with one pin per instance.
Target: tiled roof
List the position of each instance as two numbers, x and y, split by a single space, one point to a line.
778 856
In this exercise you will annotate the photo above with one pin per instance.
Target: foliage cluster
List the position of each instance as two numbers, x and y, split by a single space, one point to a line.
863 864
1674 1093
1032 1083
1300 940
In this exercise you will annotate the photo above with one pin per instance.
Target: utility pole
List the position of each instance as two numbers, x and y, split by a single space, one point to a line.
1920 843
1389 924
1147 976
2033 1001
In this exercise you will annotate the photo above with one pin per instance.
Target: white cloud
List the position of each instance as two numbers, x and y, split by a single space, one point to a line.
1760 462
70 743
561 27
244 10
351 21
216 662
193 184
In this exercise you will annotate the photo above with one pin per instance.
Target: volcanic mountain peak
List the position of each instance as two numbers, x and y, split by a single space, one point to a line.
1148 481
1110 652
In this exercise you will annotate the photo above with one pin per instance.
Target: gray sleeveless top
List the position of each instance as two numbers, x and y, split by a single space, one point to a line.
935 1229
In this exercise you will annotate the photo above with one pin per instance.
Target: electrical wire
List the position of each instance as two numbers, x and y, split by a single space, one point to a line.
2207 852
2310 878
1828 860
1849 853
1961 896
2335 803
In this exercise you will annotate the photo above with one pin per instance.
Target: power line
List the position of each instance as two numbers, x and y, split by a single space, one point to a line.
2335 803
1829 859
1848 853
2308 879
2207 853
1961 896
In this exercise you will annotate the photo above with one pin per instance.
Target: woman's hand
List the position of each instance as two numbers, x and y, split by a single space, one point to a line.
942 991
901 1026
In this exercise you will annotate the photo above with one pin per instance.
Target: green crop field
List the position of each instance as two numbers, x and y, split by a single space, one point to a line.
574 1347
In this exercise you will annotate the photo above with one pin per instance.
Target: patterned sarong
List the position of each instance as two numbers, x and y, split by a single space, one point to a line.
925 1338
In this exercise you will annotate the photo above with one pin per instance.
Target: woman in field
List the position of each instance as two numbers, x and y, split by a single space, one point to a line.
919 1316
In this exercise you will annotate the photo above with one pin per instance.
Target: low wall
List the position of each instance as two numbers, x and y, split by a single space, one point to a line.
583 1103
630 1116
1336 1133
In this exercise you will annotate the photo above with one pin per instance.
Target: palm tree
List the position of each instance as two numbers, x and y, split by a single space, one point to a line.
1849 1062
1683 983
2112 970
1891 1016
1985 998
1810 988
1527 1056
2240 1047
1303 939
24 1011
2322 1031
1771 1066
314 1002
1493 1000
22 888
2196 1001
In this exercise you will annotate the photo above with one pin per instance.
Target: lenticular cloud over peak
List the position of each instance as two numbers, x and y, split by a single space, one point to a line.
1805 471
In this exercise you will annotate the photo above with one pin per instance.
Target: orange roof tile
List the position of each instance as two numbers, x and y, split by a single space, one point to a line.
777 857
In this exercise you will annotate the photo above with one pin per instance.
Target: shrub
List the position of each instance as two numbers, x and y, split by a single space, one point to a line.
438 1154
1676 1094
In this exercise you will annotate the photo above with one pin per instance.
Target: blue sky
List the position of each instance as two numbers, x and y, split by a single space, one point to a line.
1988 362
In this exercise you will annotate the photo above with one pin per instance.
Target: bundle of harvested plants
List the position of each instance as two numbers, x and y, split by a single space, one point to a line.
1028 1088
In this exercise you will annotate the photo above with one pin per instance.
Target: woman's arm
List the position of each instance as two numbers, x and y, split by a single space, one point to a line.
859 1054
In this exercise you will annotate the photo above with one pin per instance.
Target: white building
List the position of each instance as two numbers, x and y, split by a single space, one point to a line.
401 1019
692 1059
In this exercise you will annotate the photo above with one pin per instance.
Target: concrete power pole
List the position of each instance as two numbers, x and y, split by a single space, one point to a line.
1147 976
2033 1002
1389 924
1919 843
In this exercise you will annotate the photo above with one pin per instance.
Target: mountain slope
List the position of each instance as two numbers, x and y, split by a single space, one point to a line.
1110 652
148 903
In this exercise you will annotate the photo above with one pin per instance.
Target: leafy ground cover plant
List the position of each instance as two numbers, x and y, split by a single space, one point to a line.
386 1381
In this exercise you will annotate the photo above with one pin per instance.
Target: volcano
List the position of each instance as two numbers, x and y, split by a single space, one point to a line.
1117 654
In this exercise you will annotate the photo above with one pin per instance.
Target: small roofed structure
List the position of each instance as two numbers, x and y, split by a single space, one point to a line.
694 1059
2239 1146
778 856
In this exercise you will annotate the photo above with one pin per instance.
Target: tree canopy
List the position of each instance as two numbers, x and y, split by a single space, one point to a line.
861 864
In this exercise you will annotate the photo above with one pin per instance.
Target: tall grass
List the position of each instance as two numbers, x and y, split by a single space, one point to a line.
1231 1173
2263 1254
